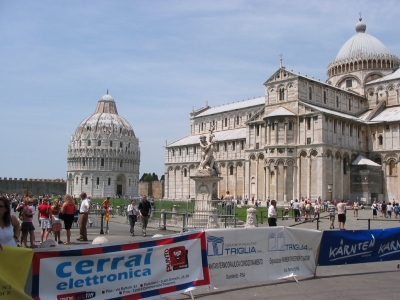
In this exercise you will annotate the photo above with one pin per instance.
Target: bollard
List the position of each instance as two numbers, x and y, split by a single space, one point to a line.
101 223
369 224
185 216
163 217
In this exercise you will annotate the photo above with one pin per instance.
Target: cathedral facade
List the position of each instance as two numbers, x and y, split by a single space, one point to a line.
305 137
103 154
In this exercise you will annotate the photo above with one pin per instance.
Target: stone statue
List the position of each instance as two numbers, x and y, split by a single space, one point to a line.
207 163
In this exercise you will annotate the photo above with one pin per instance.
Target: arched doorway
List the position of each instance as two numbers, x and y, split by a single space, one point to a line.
121 185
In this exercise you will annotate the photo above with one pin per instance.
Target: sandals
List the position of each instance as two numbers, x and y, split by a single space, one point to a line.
60 242
66 243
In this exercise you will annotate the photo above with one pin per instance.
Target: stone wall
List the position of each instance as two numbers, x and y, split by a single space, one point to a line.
35 186
152 188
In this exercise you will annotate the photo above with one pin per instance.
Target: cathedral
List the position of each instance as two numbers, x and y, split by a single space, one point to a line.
337 139
103 154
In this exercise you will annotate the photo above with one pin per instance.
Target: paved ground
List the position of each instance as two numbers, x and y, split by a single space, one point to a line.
361 281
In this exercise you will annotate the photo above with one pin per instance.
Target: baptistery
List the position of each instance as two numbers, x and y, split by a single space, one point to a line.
103 154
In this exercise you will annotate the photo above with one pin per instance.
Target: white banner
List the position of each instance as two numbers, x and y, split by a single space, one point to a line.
135 271
249 255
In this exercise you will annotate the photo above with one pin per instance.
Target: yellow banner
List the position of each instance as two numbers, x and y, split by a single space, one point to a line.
14 267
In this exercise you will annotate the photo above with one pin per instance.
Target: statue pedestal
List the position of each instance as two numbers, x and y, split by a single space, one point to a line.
206 188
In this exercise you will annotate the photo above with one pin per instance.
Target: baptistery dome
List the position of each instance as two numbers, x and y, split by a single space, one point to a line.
105 119
103 154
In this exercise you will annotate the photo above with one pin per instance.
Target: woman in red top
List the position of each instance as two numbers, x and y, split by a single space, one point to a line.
44 219
68 210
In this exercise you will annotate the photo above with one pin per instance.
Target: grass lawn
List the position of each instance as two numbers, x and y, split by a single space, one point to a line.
262 212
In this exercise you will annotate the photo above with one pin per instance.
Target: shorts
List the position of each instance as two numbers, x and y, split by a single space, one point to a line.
45 223
27 227
342 218
331 217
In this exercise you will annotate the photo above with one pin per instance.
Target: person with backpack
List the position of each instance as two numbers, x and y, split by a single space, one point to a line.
396 211
383 210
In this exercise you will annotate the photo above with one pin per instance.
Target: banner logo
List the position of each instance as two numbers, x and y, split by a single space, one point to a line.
215 246
276 242
176 258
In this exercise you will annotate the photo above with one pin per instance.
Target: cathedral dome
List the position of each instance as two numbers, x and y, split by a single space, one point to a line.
105 120
362 45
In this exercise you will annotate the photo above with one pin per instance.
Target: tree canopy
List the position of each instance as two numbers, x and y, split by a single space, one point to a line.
149 177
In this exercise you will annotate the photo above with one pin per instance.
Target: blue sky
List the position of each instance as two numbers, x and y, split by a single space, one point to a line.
158 59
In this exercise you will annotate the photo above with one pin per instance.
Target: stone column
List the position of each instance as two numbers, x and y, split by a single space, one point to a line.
285 124
256 195
276 183
341 178
309 177
284 183
333 177
299 191
267 178
235 182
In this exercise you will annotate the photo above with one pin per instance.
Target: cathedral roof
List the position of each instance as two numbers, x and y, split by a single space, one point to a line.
389 114
362 46
280 111
233 106
225 135
362 161
105 119
395 75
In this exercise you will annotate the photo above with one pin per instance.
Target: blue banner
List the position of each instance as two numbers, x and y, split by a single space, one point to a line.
340 247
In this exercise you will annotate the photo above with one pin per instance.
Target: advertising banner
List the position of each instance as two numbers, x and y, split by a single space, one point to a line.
143 270
14 267
249 255
340 247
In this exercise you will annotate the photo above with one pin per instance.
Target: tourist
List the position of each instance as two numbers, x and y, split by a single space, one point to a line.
27 224
355 208
106 204
56 224
302 208
296 209
389 210
83 218
316 210
228 203
383 209
374 208
44 219
272 214
9 224
332 211
396 210
144 212
153 208
68 212
341 208
307 210
132 214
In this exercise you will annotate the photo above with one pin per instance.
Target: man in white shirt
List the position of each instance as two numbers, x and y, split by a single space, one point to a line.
83 217
272 214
